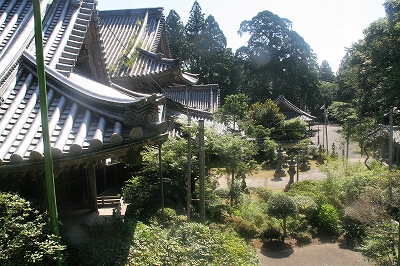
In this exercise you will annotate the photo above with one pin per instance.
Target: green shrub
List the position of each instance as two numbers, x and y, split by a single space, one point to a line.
328 218
306 205
169 216
281 206
380 244
263 193
99 244
143 198
222 193
249 209
299 223
188 244
271 230
303 238
218 212
25 238
310 188
356 185
353 230
244 228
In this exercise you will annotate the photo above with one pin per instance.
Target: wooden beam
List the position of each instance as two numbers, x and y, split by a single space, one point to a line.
115 152
91 176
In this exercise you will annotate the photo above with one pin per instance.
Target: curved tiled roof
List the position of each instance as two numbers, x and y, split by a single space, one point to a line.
85 117
135 45
130 39
290 110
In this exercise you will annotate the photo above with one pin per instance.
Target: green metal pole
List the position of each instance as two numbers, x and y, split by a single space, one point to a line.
48 162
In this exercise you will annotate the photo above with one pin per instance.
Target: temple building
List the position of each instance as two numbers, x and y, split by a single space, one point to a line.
292 111
110 85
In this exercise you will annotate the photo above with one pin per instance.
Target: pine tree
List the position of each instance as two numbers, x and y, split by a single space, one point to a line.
175 31
193 31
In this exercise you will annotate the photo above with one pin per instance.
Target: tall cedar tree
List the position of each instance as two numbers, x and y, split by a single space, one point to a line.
326 73
193 31
175 31
277 61
211 49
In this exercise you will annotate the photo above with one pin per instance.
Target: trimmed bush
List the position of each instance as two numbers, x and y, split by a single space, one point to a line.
222 193
281 206
303 238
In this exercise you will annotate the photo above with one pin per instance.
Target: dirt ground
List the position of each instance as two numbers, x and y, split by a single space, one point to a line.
331 254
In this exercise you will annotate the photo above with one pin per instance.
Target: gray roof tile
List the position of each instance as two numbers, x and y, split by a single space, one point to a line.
84 115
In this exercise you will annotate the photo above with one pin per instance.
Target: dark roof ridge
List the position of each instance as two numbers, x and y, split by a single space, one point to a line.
128 12
158 57
282 99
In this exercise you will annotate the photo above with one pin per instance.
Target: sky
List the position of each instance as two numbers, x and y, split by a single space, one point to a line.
328 26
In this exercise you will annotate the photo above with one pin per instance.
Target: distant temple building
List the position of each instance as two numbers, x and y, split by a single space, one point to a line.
292 111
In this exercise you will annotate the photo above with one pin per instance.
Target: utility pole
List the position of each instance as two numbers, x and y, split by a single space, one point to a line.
326 129
189 173
202 171
161 183
48 161
189 162
392 109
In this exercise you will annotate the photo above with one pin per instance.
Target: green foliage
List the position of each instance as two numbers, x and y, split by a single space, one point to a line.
175 34
353 229
263 193
222 192
303 238
269 150
250 210
235 158
266 114
380 245
100 244
310 188
369 73
126 242
281 206
169 216
243 227
143 197
218 213
328 218
271 230
233 110
277 59
342 112
325 72
188 244
306 206
292 130
25 238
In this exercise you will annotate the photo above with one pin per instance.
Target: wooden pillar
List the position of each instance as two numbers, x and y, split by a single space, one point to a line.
105 177
91 176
